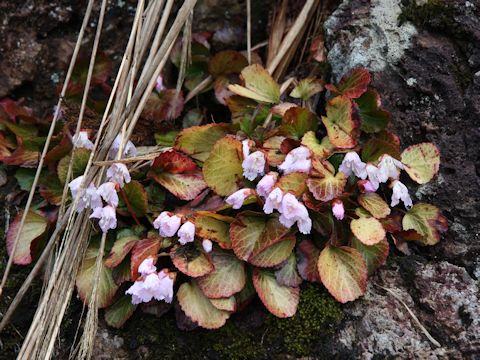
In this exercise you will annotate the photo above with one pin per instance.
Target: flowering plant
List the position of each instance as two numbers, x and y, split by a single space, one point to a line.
258 205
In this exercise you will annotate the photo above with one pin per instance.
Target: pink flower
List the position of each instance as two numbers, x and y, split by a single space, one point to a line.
129 150
337 209
107 216
245 148
266 184
254 165
373 176
74 185
238 197
293 211
109 193
389 168
352 163
81 140
366 186
118 173
186 233
273 201
297 160
88 197
152 286
167 225
305 225
400 192
147 266
207 245
159 84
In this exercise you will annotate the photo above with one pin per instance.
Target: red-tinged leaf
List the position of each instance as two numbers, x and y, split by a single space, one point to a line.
275 254
227 278
62 149
22 157
51 189
191 260
227 304
322 149
207 226
421 161
198 141
244 297
373 118
287 275
294 182
374 255
227 62
125 241
15 109
141 250
271 148
340 126
80 160
374 204
173 162
117 314
199 308
121 273
427 221
223 168
384 143
324 185
282 108
34 227
281 301
308 254
137 198
163 106
183 186
306 88
85 280
297 121
343 272
259 85
353 84
392 223
368 230
220 87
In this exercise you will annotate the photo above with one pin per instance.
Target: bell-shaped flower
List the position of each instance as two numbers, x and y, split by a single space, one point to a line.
273 201
107 217
207 245
389 168
293 211
81 140
186 233
159 84
254 165
118 173
352 163
129 150
74 185
400 192
305 225
297 160
147 266
154 285
238 197
108 192
266 184
337 209
167 224
366 186
88 197
373 176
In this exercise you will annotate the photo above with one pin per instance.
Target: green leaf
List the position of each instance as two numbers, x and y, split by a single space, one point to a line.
339 123
223 168
427 221
323 184
156 198
343 272
117 314
259 85
126 239
382 143
373 118
306 88
421 161
227 62
374 204
191 260
374 255
287 275
353 84
297 121
80 160
368 230
34 226
25 178
294 182
167 138
136 196
208 227
199 308
281 301
321 149
228 304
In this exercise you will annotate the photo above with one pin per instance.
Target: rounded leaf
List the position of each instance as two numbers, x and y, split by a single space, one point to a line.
421 161
426 220
339 123
191 260
117 314
259 85
374 255
375 205
80 160
368 230
209 227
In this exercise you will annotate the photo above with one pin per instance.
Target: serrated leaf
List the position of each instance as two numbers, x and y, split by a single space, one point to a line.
306 88
199 308
163 106
297 121
368 230
281 301
227 278
208 227
308 254
343 272
353 84
259 85
183 186
125 241
141 250
80 160
173 162
321 149
287 275
275 254
374 204
373 118
34 226
226 62
117 314
271 147
136 196
227 304
323 184
427 221
198 141
374 255
223 168
294 182
191 260
421 161
339 123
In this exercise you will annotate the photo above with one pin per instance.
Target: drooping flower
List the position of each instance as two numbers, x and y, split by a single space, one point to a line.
366 186
305 225
207 245
337 209
373 176
273 201
293 211
129 149
389 168
238 197
245 148
118 173
254 165
74 185
297 160
107 217
167 224
186 233
147 266
352 163
81 140
266 184
159 84
108 193
400 192
88 197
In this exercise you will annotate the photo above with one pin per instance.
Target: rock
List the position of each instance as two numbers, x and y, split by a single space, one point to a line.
108 346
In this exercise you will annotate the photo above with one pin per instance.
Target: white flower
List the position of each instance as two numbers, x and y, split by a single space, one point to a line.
88 197
167 225
352 163
152 286
293 211
254 165
266 184
118 173
400 192
337 209
81 140
297 160
207 245
74 185
373 176
245 148
389 168
273 201
107 216
305 225
186 233
366 186
159 84
147 266
108 192
129 149
238 197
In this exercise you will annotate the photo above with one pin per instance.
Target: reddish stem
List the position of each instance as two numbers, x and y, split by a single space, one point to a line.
129 206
